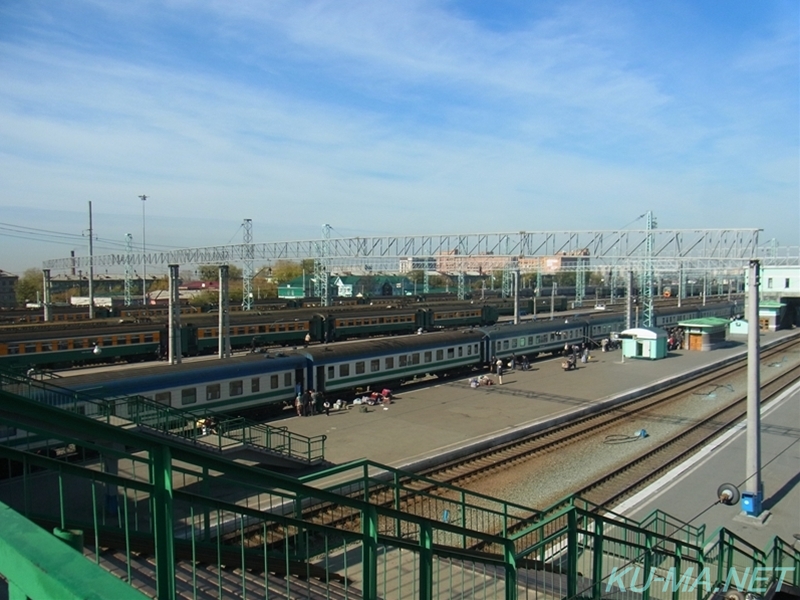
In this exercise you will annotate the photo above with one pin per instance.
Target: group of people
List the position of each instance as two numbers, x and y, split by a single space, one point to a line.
577 351
675 339
310 403
498 367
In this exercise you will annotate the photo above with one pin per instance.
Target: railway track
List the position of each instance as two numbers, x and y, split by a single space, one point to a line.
619 483
602 491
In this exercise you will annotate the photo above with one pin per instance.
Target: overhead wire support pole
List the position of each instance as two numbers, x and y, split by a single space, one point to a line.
174 316
321 270
247 275
91 265
224 314
128 296
46 288
647 319
143 198
580 280
753 487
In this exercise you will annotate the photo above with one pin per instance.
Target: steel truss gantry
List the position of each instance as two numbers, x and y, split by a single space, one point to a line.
622 250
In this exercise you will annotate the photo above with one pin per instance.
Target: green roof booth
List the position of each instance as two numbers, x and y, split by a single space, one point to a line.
705 334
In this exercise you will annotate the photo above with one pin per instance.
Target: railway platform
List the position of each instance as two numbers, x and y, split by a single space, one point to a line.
393 546
426 426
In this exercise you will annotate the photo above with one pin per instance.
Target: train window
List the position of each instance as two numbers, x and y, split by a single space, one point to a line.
451 352
273 382
236 388
475 350
390 362
331 372
148 337
440 355
108 341
213 392
188 396
514 343
344 370
785 284
460 351
530 340
287 380
402 361
469 350
63 344
255 385
360 367
375 365
7 432
415 358
30 348
428 356
164 398
505 344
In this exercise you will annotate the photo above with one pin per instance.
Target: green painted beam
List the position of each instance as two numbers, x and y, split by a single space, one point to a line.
42 567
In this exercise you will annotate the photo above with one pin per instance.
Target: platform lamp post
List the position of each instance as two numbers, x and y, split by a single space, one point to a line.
143 198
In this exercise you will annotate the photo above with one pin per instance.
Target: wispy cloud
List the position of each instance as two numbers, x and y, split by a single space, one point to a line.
405 117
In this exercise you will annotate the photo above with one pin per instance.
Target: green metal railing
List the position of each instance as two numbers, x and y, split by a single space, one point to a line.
158 510
39 566
228 434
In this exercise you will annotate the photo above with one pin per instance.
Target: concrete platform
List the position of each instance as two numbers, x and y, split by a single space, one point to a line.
450 419
689 492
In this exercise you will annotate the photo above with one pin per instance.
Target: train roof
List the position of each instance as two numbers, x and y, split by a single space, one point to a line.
195 371
390 345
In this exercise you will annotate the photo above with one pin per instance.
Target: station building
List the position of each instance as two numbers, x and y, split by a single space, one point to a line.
779 297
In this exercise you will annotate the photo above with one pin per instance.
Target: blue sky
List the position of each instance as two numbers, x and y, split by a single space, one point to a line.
385 118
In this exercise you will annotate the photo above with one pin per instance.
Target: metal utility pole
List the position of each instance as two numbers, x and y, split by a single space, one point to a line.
629 305
515 273
224 316
647 298
128 274
143 198
580 280
174 316
507 283
48 309
247 276
553 299
321 274
91 265
753 494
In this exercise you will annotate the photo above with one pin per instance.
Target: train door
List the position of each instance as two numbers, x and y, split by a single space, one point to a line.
299 386
319 383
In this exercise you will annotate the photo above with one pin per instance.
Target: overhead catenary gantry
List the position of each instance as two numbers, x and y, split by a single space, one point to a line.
670 249
689 252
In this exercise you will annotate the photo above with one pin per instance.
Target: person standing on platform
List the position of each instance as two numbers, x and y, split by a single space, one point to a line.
499 372
307 340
